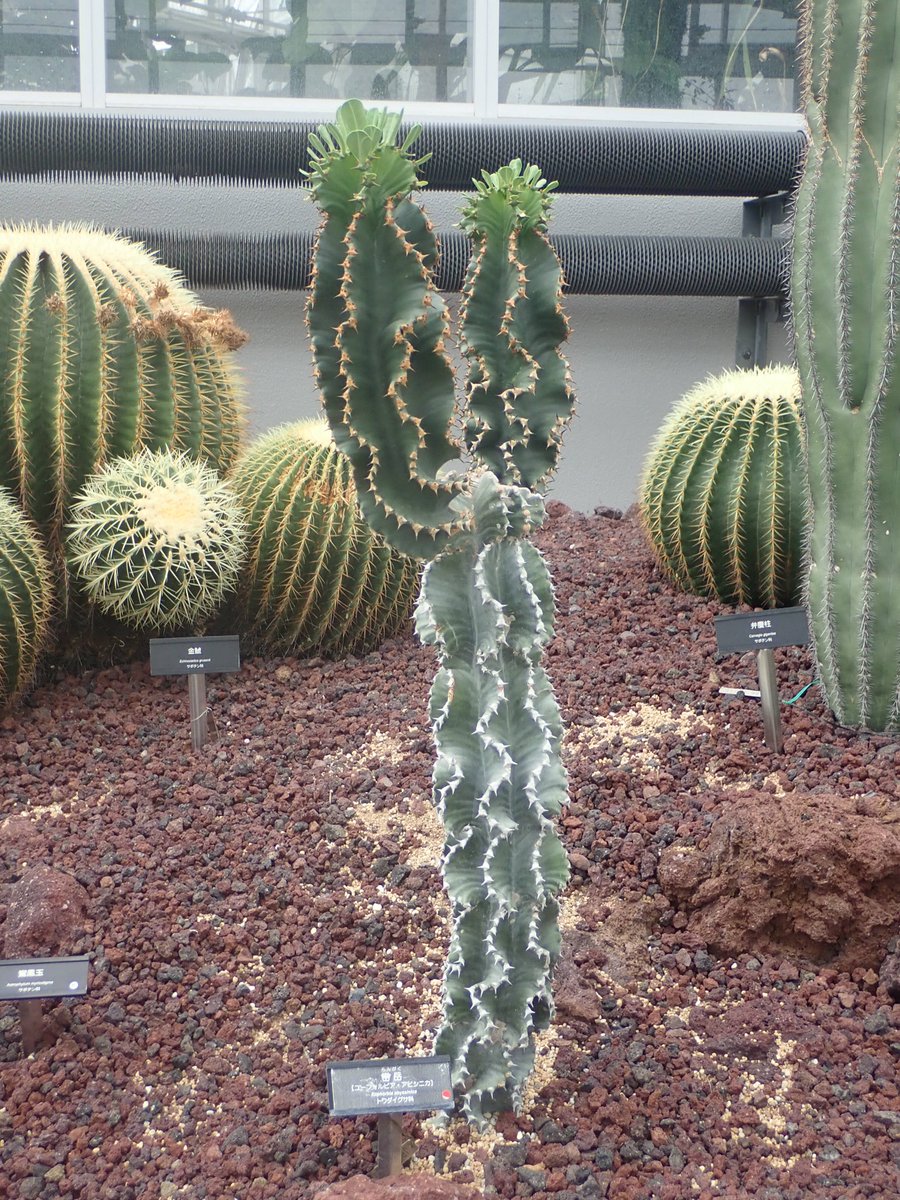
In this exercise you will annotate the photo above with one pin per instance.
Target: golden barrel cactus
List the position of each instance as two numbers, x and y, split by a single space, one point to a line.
722 497
105 352
318 578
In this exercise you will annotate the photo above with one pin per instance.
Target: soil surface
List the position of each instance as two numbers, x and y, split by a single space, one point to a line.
273 902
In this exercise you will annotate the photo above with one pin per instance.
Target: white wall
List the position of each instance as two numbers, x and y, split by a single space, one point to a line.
631 357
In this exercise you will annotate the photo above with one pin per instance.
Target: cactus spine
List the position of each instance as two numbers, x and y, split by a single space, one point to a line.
486 600
157 539
317 577
845 296
721 497
26 597
104 352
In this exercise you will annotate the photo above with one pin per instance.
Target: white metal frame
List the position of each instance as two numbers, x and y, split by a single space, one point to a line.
485 103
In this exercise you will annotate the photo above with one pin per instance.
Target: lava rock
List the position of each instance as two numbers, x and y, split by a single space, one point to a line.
805 875
21 844
889 972
46 914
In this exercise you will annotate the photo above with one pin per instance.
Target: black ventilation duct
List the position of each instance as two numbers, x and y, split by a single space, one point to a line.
587 158
593 265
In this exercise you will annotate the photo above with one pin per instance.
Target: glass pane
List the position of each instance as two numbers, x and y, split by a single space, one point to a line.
650 53
39 46
325 49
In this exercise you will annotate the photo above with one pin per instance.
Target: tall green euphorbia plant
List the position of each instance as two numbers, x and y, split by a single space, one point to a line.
845 294
378 328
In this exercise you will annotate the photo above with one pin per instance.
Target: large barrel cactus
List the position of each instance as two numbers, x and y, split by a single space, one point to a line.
378 327
157 540
317 576
722 498
845 297
104 352
26 598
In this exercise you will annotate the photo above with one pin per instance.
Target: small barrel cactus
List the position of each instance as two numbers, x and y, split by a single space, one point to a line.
318 577
26 597
722 497
158 540
104 352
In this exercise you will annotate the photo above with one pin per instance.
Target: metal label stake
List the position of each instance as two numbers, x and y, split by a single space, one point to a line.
390 1147
199 711
771 705
196 657
762 632
31 1019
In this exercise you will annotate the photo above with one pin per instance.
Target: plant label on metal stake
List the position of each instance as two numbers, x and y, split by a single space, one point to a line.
762 632
196 658
29 981
383 1087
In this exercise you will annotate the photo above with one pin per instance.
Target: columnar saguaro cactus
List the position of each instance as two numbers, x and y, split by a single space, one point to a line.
721 498
845 294
378 328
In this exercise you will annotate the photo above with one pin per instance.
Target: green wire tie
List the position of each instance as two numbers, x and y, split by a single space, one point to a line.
801 693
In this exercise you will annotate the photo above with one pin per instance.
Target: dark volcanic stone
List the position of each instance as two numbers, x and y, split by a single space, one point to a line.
46 914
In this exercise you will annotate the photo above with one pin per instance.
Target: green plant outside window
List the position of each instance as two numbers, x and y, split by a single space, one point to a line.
649 54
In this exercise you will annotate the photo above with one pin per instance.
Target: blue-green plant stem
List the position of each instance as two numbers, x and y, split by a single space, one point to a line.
499 783
378 329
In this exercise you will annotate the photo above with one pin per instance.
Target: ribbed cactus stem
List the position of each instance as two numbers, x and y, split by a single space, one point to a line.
845 295
378 329
512 325
498 783
721 497
378 326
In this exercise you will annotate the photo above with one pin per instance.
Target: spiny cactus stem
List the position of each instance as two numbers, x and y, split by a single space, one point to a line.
486 600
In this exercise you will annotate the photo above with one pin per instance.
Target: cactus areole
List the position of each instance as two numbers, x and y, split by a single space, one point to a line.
378 328
845 297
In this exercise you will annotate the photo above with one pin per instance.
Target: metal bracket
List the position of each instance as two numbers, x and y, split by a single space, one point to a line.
755 313
762 214
754 318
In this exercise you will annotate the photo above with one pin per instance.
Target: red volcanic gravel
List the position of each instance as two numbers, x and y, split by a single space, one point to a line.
273 902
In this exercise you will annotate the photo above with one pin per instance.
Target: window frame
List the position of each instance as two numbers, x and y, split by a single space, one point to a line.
484 106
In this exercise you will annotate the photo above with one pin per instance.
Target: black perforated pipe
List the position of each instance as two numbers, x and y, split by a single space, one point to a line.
593 265
587 158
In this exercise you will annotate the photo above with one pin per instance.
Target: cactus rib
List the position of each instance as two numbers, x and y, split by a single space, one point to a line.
845 298
26 598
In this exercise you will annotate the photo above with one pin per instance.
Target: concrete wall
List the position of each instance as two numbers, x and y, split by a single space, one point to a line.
631 357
